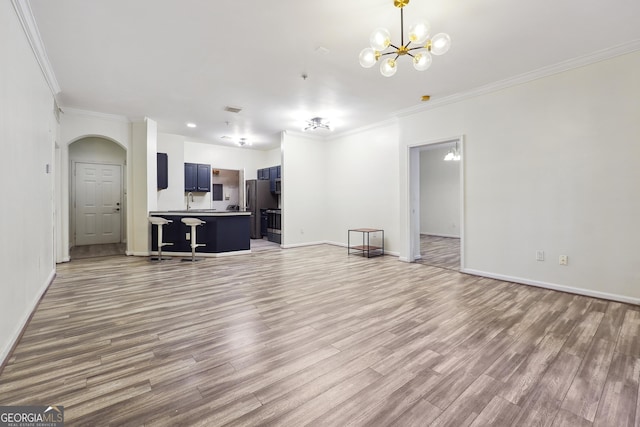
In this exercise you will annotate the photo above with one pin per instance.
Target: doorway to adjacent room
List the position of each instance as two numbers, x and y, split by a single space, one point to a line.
436 204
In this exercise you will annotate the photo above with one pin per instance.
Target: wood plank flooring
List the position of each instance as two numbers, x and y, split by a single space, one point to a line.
94 251
312 336
443 252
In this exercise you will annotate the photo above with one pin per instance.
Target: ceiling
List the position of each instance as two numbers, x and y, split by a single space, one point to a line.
179 61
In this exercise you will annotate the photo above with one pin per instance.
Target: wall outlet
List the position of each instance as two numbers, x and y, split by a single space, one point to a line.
188 236
539 255
563 260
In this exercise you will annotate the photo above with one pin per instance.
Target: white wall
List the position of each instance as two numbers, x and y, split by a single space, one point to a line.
439 193
549 165
303 199
272 158
142 196
99 150
77 124
28 130
362 184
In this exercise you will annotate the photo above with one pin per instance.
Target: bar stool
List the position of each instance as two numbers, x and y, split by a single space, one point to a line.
159 222
193 223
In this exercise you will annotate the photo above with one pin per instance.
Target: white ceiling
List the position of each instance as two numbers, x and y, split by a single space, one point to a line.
179 61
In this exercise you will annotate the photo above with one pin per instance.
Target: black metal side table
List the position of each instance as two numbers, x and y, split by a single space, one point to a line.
372 242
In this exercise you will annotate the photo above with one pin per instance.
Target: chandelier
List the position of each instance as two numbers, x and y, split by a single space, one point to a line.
419 47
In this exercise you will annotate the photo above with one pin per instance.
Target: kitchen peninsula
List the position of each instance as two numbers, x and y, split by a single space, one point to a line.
223 232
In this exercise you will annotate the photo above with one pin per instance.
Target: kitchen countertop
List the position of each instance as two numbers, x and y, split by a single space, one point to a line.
200 212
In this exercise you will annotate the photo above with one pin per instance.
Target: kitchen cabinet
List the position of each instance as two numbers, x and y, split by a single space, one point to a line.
204 178
264 174
197 177
222 232
273 176
162 163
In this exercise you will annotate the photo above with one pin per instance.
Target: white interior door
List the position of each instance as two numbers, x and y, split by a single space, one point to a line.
97 203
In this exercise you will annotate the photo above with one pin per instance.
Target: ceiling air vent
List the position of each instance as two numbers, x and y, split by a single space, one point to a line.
232 109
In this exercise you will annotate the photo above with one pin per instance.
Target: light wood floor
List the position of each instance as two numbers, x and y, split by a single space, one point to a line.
443 252
313 336
94 251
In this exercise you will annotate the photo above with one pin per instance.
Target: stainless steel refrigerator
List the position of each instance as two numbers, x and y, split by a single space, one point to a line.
259 197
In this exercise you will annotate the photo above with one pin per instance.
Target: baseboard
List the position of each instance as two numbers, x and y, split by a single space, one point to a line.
9 347
300 245
133 253
344 245
553 286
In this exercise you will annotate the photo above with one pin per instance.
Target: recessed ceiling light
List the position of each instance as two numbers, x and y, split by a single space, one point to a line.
191 125
426 97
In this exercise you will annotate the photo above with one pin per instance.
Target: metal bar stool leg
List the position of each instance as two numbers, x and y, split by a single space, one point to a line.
193 223
159 222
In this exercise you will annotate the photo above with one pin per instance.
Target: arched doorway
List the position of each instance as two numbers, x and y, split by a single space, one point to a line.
96 197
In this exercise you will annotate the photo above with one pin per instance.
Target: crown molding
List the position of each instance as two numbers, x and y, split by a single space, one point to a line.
104 116
560 67
28 22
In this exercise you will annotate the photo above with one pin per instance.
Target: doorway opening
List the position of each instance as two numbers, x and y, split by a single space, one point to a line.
96 198
436 204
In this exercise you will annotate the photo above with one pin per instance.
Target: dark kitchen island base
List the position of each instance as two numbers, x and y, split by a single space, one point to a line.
223 233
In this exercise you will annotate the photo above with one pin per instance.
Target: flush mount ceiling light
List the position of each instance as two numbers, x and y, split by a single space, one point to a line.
317 123
419 47
240 141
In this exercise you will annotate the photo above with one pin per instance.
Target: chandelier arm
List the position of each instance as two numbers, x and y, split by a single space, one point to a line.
389 53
